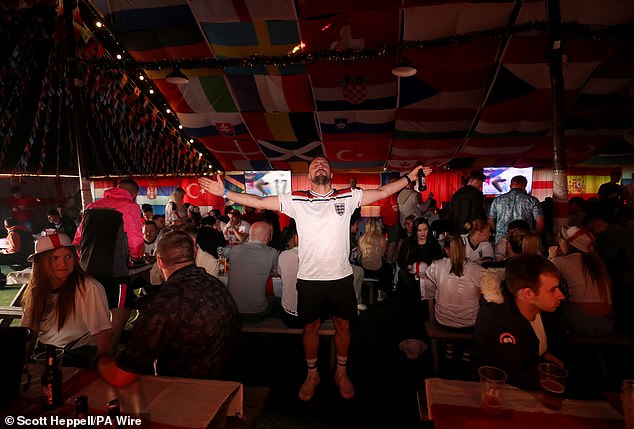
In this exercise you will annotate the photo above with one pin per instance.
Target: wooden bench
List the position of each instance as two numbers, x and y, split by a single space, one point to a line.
437 332
613 339
275 326
599 344
254 400
8 314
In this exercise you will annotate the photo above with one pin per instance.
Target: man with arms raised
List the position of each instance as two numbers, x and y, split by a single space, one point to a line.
517 334
324 279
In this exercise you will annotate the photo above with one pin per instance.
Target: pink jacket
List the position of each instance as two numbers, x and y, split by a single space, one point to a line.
121 200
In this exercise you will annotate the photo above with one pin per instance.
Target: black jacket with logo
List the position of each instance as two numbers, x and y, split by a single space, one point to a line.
504 338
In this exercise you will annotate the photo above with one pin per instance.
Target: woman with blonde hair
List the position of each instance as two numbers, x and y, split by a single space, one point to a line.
589 307
372 246
478 248
63 306
175 211
454 283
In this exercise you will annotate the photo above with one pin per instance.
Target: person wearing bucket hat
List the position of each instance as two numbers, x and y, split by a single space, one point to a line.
588 310
66 306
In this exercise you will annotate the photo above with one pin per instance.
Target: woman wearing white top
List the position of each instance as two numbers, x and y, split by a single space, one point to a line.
589 307
478 248
455 285
63 306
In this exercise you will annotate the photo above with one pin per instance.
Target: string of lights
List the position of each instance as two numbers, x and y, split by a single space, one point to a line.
113 52
618 32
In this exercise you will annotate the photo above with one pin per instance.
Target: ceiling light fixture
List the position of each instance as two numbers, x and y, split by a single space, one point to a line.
177 77
404 69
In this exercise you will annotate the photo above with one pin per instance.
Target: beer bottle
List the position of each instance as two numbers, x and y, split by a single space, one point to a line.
113 412
422 181
81 411
51 381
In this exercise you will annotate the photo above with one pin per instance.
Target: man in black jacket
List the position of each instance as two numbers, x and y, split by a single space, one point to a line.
522 331
467 203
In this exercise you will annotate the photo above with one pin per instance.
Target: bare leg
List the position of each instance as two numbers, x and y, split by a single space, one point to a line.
342 336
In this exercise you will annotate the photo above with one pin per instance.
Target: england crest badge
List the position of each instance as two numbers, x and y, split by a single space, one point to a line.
340 208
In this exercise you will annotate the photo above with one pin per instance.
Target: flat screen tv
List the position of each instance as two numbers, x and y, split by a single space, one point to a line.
498 179
265 183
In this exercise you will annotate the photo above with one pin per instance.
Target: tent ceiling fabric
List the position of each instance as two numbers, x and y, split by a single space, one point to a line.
482 98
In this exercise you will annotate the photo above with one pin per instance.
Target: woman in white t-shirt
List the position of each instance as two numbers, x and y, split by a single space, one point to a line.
454 283
478 248
63 306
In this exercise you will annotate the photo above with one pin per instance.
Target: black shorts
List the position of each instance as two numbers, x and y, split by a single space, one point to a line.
317 298
119 292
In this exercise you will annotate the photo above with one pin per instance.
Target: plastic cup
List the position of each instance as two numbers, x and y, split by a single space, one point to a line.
627 399
552 379
492 382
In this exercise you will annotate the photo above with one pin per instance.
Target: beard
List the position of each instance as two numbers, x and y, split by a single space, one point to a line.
321 179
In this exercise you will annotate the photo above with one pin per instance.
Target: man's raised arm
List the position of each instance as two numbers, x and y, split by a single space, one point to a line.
372 195
216 186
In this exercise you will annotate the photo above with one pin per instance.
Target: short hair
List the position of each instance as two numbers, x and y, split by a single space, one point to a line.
577 200
52 212
150 223
188 228
147 208
175 247
524 271
477 175
519 180
208 220
615 173
128 182
156 216
11 221
319 156
519 224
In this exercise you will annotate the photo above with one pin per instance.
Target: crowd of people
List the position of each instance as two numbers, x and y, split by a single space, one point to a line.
488 267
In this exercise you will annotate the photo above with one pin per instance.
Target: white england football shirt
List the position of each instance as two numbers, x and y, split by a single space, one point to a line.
323 226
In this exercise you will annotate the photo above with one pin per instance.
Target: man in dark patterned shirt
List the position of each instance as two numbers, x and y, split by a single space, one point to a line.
189 328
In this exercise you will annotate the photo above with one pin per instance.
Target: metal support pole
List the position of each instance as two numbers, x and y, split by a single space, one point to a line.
560 177
78 131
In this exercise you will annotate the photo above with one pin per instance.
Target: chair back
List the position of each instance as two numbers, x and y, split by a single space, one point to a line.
12 355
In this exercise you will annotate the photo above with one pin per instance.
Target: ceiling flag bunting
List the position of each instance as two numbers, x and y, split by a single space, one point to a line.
356 86
241 39
265 93
243 10
357 125
290 127
295 151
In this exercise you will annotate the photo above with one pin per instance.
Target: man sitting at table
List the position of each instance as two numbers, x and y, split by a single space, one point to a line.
188 328
522 331
252 264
